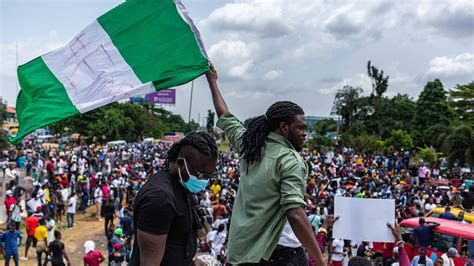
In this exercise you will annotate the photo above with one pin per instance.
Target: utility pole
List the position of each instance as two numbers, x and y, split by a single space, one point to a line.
17 85
191 101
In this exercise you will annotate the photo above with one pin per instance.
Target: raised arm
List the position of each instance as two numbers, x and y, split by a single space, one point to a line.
219 103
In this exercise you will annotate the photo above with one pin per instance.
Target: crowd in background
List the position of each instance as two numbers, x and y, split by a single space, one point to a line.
61 182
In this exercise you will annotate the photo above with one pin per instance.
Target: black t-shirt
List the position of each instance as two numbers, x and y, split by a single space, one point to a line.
109 210
162 207
56 248
116 260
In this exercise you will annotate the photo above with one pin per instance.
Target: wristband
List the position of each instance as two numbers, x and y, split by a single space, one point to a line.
401 242
323 230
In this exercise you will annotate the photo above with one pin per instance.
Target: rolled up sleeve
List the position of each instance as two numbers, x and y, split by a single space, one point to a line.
292 183
233 129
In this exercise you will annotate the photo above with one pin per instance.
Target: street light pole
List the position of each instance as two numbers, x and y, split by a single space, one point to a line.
191 101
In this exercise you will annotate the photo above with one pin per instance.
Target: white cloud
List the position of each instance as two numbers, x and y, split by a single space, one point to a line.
360 80
246 94
234 58
264 18
452 67
241 71
272 74
451 18
232 50
28 49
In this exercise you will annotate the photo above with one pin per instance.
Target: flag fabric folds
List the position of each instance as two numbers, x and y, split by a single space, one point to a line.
138 47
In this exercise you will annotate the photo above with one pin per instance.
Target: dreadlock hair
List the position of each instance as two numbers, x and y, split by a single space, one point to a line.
201 141
259 127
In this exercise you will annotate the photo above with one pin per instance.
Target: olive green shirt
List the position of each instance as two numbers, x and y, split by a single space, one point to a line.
267 189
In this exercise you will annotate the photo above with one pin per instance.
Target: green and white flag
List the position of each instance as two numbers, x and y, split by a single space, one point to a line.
136 48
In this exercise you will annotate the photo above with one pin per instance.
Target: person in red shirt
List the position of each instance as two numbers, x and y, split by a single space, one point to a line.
50 171
92 257
9 201
30 224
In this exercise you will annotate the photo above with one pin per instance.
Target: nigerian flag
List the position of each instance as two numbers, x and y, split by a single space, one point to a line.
136 48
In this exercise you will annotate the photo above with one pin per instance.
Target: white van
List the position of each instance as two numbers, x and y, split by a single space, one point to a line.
117 143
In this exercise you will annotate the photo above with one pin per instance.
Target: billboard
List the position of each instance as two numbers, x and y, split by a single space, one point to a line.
163 97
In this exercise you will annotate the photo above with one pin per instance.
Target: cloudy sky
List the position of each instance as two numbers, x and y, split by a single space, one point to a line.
265 51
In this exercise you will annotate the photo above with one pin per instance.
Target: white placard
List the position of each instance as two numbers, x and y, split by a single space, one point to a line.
364 219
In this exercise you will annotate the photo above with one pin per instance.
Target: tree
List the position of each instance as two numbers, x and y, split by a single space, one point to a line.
399 139
399 113
462 100
428 155
431 108
459 147
128 121
346 104
321 129
379 87
210 120
368 143
325 126
3 117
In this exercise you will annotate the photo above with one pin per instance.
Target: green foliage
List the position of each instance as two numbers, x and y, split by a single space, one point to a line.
398 140
462 101
128 121
379 82
346 104
3 116
458 145
210 120
321 129
325 126
379 87
365 141
431 108
399 113
428 155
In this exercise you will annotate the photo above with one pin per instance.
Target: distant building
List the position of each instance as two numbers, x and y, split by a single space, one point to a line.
10 121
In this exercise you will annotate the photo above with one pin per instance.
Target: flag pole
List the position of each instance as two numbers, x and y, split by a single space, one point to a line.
17 85
191 101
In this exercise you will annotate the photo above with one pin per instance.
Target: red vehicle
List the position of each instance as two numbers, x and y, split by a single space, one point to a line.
448 234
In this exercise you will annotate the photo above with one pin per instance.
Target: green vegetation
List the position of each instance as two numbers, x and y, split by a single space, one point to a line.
127 121
438 123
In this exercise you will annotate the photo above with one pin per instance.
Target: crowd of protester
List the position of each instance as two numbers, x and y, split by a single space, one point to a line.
62 182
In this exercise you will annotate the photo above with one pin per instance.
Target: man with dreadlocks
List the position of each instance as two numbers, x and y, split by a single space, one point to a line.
272 185
164 219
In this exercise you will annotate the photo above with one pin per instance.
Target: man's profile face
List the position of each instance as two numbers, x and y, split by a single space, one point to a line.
297 132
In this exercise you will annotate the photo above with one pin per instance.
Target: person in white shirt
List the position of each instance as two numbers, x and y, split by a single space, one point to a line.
430 205
61 165
12 174
448 257
289 242
50 225
218 223
71 210
98 201
216 240
337 252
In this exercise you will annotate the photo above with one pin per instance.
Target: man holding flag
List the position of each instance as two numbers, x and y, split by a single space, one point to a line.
272 185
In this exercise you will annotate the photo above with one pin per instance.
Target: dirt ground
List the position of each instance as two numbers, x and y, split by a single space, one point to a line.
85 228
